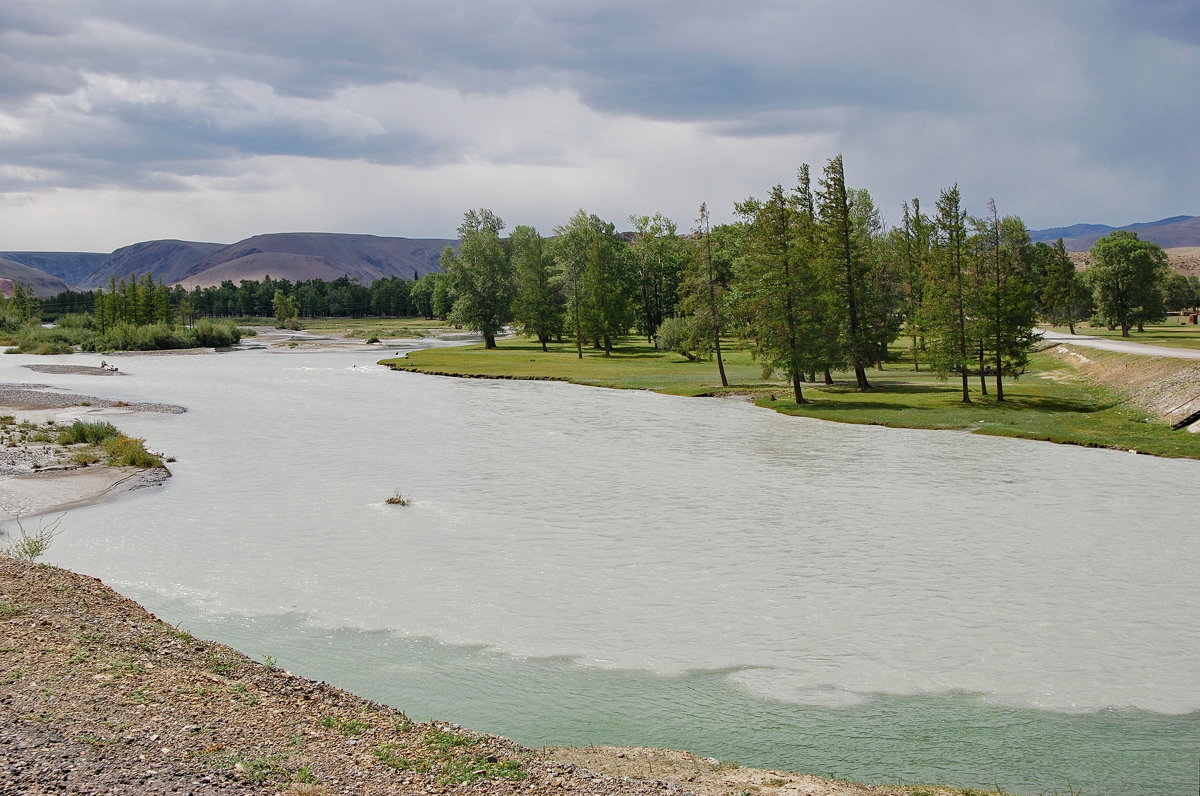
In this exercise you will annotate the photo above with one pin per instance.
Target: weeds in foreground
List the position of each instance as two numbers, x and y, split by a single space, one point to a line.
32 545
344 726
450 765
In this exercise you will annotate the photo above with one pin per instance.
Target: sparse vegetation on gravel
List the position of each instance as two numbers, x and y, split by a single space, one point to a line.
102 697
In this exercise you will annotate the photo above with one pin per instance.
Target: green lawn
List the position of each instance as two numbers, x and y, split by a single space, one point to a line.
383 328
1172 334
1050 402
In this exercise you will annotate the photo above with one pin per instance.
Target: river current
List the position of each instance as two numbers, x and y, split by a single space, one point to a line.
583 566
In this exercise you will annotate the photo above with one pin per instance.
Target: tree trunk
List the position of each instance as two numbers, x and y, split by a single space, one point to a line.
828 376
966 399
799 394
489 340
999 380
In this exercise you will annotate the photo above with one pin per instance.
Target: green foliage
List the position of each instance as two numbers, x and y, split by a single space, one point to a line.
481 275
658 258
1065 297
86 432
537 303
690 337
594 274
286 311
449 763
344 726
126 451
32 545
58 340
1127 277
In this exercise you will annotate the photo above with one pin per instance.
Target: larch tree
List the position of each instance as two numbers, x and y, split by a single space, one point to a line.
841 247
780 287
481 275
1065 296
701 290
946 310
912 247
1006 311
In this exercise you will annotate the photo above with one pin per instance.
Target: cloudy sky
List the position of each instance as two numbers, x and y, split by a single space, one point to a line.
214 120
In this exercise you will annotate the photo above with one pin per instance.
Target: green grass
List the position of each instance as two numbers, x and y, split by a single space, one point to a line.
1172 334
1049 402
381 328
635 365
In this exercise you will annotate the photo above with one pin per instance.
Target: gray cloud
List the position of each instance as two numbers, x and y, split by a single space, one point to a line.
145 93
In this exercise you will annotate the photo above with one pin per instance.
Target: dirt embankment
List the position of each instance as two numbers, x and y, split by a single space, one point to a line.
100 697
1166 388
1184 259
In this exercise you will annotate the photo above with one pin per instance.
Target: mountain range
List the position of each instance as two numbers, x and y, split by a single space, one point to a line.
297 256
1169 233
294 256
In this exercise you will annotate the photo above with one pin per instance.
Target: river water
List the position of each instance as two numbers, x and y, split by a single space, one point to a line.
594 566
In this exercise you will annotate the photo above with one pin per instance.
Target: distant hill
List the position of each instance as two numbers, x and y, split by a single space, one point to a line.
277 265
42 283
319 255
167 260
71 267
294 256
1170 232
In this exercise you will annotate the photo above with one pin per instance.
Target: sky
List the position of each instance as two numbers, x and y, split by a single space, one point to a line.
215 120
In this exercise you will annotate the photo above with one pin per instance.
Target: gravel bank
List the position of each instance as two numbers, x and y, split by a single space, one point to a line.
102 697
44 396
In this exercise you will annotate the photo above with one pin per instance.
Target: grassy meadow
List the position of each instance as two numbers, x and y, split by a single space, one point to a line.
1051 401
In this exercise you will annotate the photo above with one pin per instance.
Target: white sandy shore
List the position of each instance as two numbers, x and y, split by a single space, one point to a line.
40 478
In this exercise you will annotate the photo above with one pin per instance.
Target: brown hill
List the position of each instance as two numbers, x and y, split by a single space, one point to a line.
167 260
364 257
277 265
42 283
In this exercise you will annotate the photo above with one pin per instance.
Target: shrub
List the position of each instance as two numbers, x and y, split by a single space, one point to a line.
215 335
126 451
39 340
90 433
32 544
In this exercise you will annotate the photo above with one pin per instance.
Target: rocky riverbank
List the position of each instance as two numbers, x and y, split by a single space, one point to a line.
40 476
100 697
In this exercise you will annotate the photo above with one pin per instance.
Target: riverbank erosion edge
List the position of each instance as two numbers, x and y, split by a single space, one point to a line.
102 697
1088 398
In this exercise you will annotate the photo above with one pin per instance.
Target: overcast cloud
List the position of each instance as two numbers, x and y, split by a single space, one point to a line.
129 120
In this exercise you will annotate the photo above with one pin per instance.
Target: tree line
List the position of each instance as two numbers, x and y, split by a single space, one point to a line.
809 276
812 278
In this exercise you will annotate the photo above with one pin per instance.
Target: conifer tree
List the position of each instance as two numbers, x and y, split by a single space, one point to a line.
1065 295
945 313
842 251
